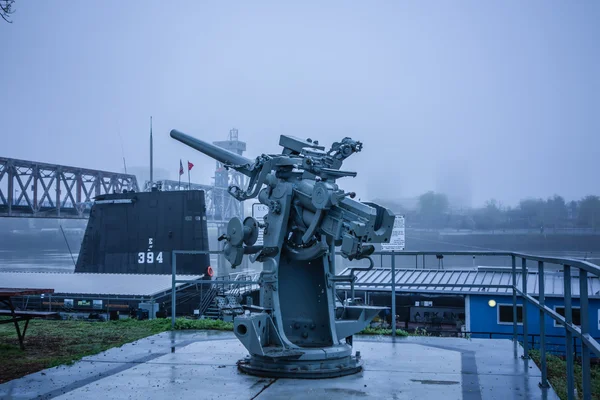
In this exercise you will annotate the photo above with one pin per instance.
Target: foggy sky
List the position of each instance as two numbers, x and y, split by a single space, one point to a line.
506 93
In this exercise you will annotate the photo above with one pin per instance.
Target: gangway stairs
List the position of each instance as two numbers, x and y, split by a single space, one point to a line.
223 301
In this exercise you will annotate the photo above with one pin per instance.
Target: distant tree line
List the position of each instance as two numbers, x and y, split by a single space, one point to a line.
434 211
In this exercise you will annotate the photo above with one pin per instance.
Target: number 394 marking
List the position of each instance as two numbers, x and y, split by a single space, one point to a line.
148 257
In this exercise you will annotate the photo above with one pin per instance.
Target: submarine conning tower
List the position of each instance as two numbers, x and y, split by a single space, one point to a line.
136 232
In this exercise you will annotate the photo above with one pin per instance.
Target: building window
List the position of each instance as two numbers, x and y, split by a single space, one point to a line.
576 315
505 314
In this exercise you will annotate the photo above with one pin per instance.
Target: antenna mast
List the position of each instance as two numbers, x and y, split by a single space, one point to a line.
151 154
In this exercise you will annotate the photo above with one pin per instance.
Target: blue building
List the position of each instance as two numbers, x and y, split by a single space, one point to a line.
473 302
494 312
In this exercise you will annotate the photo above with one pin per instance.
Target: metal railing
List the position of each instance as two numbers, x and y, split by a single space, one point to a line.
225 283
582 333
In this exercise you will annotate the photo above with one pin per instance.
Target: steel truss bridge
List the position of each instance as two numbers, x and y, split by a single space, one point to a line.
33 189
30 189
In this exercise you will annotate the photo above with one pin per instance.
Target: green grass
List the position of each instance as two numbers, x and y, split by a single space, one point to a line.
52 343
557 375
214 324
382 331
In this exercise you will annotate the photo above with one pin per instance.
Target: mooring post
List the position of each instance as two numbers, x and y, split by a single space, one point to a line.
173 295
514 301
524 285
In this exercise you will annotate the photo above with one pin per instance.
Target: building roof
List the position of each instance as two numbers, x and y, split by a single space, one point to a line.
424 281
10 292
92 284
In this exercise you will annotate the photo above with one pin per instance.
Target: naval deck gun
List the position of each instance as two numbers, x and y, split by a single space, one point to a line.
297 330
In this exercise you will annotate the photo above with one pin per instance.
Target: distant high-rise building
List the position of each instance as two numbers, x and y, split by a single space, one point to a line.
453 178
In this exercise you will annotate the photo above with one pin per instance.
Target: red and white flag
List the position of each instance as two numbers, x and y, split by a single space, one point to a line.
190 166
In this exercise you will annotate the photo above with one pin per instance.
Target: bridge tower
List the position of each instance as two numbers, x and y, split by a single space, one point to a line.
225 206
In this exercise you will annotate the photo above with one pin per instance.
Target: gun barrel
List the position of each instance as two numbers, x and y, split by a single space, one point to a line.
216 152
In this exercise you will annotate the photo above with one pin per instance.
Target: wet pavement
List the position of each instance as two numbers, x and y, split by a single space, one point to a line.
202 365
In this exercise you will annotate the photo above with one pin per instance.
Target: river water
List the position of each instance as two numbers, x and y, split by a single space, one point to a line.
37 261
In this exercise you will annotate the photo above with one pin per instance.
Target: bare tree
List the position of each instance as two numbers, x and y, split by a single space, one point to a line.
6 9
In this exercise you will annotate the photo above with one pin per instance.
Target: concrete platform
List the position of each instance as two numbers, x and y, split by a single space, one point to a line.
202 365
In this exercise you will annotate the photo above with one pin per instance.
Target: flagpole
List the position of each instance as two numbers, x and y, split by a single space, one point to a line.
189 183
151 156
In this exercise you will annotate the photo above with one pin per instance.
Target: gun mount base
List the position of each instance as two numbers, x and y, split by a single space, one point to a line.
324 368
